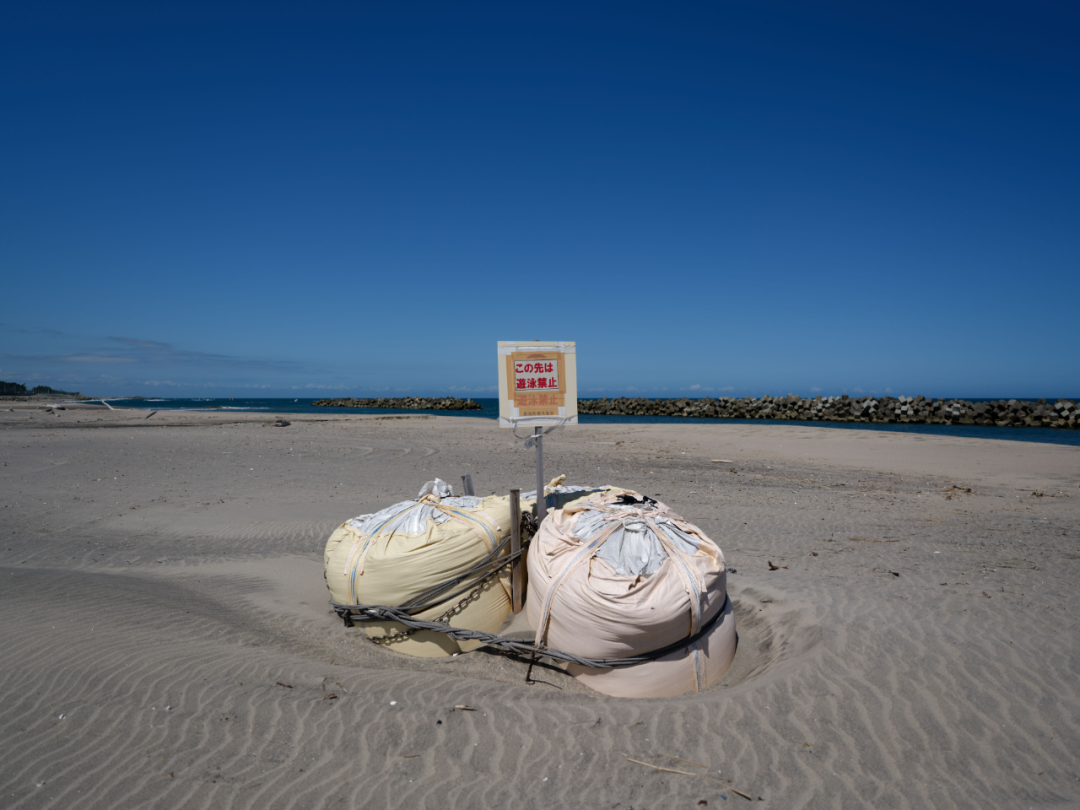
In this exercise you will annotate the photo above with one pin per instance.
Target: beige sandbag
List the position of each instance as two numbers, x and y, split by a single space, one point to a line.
672 582
395 555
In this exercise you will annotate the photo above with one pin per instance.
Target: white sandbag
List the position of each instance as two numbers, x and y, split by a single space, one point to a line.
611 580
398 553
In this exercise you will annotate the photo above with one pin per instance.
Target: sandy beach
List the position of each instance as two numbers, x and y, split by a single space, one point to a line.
167 640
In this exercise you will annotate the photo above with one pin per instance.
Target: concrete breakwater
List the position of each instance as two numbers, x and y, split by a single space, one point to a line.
410 403
913 410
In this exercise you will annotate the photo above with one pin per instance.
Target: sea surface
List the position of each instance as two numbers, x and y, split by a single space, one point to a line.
491 411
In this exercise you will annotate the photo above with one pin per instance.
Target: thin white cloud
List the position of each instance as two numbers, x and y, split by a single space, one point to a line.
81 358
475 389
136 343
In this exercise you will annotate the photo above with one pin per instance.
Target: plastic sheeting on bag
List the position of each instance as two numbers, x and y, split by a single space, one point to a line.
611 580
396 554
558 494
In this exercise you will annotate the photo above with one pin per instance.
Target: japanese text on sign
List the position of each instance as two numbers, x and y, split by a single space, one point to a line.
540 374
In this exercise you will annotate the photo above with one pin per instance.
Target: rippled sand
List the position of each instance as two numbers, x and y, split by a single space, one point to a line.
166 640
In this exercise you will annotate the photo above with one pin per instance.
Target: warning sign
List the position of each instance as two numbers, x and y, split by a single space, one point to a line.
537 383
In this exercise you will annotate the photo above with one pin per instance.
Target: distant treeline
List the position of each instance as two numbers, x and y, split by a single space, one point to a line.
12 389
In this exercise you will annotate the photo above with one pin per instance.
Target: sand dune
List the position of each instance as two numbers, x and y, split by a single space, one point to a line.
167 640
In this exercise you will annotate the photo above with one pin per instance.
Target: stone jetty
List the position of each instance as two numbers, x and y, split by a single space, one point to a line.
919 410
410 403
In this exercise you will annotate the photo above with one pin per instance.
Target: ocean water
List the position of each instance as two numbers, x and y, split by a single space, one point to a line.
491 411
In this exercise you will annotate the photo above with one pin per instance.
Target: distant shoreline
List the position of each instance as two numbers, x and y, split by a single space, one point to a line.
974 418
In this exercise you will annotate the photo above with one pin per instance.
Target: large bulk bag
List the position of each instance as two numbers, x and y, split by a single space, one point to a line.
398 553
615 576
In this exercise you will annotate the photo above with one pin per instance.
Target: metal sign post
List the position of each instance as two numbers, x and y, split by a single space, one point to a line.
517 567
541 501
537 389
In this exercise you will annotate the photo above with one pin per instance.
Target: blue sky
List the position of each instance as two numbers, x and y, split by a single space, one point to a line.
739 198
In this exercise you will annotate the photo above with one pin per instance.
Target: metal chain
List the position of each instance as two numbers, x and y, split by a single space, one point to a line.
455 609
528 529
517 646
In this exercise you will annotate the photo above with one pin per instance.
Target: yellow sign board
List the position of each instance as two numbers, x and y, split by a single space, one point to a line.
537 383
